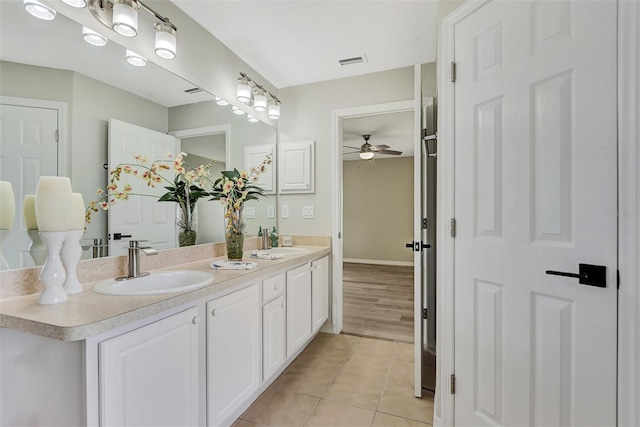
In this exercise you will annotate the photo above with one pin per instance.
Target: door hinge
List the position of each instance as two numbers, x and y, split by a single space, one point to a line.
453 72
453 384
424 313
453 227
57 135
424 223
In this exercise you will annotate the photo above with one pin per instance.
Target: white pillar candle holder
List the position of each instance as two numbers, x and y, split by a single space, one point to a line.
37 248
53 274
71 254
3 261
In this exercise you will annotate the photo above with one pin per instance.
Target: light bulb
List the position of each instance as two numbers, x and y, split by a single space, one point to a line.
243 92
274 110
135 59
93 38
39 10
237 111
221 101
252 119
165 40
125 19
260 100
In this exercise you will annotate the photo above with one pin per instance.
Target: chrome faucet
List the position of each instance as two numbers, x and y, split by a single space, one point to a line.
134 259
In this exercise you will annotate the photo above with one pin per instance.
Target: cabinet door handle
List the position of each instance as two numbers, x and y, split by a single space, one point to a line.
282 304
213 312
195 320
275 287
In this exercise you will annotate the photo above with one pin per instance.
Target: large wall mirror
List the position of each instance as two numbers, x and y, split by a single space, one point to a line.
58 95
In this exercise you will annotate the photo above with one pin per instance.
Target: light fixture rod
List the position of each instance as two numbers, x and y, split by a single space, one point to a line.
253 82
157 15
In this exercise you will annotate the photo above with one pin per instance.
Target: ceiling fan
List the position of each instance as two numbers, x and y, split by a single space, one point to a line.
368 151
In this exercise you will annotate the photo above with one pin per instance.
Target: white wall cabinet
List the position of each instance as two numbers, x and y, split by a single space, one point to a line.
149 376
296 170
319 293
274 336
298 308
233 352
254 155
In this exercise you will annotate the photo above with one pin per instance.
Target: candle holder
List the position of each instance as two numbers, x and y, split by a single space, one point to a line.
53 273
37 248
71 254
3 261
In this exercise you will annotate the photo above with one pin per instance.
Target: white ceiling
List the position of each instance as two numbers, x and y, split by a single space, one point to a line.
394 130
297 42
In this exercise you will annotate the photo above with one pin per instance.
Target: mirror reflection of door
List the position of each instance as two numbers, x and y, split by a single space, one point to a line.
201 150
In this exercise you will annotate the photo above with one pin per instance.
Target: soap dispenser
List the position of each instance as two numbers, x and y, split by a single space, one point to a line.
260 240
274 238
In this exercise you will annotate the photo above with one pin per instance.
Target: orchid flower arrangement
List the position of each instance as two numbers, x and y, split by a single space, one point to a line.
185 189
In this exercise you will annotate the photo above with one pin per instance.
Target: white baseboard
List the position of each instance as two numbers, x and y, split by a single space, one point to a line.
378 262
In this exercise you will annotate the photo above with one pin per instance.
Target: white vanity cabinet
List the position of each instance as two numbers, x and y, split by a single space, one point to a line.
274 325
149 376
319 293
233 352
298 308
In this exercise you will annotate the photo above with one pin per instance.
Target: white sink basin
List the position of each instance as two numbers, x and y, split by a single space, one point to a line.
284 251
162 282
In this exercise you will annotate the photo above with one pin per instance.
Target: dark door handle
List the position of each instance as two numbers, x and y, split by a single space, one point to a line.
590 275
417 246
120 236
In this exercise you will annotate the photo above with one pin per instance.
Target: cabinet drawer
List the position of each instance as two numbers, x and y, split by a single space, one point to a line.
272 287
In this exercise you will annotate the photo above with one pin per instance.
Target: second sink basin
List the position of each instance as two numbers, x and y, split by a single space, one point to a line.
161 282
284 251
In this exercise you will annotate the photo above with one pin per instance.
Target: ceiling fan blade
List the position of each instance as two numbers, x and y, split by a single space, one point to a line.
353 148
352 152
380 147
389 152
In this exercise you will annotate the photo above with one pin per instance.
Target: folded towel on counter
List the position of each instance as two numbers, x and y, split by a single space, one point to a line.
265 255
232 265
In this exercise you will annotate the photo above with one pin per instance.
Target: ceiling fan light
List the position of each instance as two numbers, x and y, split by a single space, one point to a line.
125 18
260 100
237 111
274 110
93 37
221 101
75 3
135 59
165 40
39 10
367 155
243 91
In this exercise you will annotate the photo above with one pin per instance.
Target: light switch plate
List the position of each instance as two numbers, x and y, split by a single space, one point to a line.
271 212
307 212
250 212
285 211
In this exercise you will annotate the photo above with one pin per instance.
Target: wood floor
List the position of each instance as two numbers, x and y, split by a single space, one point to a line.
378 301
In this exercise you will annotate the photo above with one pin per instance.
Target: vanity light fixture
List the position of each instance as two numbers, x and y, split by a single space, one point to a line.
122 17
252 119
367 155
135 59
237 111
221 101
76 3
93 37
258 97
39 10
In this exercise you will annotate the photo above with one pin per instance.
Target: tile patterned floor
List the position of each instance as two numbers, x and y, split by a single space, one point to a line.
344 380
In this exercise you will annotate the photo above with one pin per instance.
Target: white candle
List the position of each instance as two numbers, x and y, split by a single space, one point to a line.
76 219
53 203
7 205
29 212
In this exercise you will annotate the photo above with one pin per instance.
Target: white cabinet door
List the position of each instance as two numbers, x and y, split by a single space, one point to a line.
298 307
149 377
319 292
233 352
274 344
295 173
254 155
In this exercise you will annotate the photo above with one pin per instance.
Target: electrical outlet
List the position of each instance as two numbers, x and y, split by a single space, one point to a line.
285 211
271 212
307 212
250 212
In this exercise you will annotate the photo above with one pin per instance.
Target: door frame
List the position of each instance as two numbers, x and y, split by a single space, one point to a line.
63 148
204 131
337 117
628 206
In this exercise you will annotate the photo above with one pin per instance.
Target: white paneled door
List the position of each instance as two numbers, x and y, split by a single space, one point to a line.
141 217
28 150
535 190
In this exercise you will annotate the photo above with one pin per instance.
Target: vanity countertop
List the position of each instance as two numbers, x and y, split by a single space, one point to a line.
88 314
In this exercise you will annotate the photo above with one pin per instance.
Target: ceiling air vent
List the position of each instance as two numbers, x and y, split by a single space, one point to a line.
193 90
354 60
